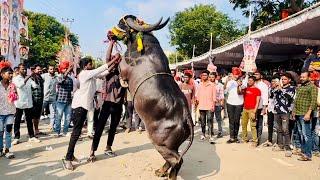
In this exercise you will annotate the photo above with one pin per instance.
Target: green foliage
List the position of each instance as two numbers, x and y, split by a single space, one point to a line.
45 37
266 12
176 57
194 25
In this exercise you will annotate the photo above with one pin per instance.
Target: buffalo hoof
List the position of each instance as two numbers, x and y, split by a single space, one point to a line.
160 173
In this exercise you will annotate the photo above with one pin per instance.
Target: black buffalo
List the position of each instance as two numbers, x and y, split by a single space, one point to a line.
157 97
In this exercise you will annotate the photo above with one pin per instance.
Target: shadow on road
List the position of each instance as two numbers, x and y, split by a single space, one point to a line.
201 161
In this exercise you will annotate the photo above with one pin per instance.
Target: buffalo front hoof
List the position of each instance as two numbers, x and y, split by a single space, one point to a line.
160 173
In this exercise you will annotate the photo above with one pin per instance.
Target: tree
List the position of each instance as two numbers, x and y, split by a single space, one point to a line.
266 12
176 57
45 37
194 25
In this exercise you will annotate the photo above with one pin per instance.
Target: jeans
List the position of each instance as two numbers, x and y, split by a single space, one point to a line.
62 109
283 134
217 114
137 120
259 125
108 108
206 119
17 122
270 126
315 137
295 136
6 123
234 114
304 128
78 117
90 120
52 109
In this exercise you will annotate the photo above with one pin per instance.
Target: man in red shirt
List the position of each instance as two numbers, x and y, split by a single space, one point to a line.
251 96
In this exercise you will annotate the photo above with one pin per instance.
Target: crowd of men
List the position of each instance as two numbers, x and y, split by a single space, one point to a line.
284 102
92 95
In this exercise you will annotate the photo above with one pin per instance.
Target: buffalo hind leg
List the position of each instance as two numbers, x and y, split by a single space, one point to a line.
172 158
175 170
163 171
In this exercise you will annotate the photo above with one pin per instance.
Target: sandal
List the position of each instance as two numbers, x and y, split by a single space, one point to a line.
41 134
67 165
304 158
109 153
92 159
9 155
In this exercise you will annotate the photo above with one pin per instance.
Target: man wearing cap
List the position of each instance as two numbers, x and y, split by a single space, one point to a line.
64 98
234 104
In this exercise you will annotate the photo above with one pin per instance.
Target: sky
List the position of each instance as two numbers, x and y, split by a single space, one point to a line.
92 19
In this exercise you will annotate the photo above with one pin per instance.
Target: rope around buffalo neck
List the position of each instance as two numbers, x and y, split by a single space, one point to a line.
148 76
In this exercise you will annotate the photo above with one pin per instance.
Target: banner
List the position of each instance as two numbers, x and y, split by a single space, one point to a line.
13 25
5 20
14 34
251 49
23 50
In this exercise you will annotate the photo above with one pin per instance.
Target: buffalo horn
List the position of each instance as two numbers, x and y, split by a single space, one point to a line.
140 28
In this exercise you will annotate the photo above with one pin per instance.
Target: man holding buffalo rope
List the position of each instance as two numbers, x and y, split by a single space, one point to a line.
83 100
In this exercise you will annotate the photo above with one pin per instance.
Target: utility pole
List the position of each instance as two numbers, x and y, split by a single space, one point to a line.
67 24
194 48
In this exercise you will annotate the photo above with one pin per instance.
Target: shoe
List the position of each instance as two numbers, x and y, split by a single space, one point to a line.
304 158
9 155
34 139
220 135
70 126
202 138
277 148
211 141
128 130
296 151
288 153
42 117
316 154
244 141
15 142
230 141
110 153
267 144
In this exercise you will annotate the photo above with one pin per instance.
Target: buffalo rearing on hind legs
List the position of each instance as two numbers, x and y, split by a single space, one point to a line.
157 98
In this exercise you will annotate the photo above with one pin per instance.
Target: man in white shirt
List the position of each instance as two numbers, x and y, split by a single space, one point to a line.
263 104
234 107
24 104
83 101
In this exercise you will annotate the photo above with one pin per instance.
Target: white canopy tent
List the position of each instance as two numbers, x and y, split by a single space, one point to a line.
281 41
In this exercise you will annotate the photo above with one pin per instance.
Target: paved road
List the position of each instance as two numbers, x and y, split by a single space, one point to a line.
137 159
